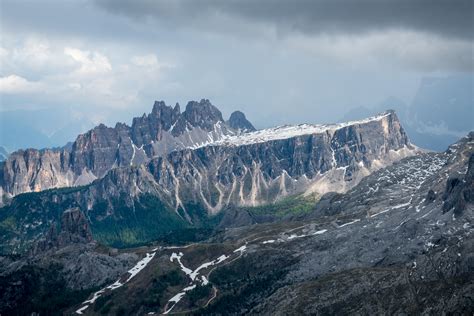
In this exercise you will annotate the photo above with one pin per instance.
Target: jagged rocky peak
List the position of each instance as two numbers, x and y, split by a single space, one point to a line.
149 128
103 148
166 115
202 114
96 135
73 228
238 121
96 150
177 108
121 126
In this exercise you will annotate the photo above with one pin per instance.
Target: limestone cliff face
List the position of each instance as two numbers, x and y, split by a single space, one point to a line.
187 185
33 170
334 158
221 169
103 148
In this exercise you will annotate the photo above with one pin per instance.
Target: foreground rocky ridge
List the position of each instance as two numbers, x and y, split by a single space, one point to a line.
398 238
104 148
395 243
186 187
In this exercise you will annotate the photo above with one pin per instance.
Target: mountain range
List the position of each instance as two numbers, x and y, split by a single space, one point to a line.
103 148
431 116
184 168
185 212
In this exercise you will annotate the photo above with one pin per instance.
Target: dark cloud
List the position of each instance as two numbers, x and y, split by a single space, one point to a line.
441 17
230 52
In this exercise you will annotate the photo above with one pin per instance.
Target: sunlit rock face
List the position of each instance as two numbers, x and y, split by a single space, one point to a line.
260 167
103 148
255 168
186 186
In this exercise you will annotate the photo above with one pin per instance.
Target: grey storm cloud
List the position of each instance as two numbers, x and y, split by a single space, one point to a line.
257 56
452 19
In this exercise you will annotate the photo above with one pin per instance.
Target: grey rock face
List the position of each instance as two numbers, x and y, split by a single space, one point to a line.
259 173
86 269
238 121
380 248
202 114
103 148
81 265
149 128
216 176
459 192
73 229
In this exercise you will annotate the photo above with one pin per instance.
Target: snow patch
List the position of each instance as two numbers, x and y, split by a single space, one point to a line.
319 232
285 132
133 272
80 310
140 266
241 249
350 223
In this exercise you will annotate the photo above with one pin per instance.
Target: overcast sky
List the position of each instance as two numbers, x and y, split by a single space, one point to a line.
278 61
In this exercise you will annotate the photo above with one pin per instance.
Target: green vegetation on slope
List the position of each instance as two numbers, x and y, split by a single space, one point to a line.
122 222
148 220
289 206
30 215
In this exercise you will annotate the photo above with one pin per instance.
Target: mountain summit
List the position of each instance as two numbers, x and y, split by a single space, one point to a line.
238 121
149 190
103 148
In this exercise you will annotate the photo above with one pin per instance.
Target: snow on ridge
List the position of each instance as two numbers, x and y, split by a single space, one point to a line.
133 272
285 132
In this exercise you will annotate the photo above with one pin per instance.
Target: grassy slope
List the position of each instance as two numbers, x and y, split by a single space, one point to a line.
289 206
31 215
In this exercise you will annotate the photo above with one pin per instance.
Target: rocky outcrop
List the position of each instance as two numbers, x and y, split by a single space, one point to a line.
73 229
238 121
202 114
459 191
103 148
